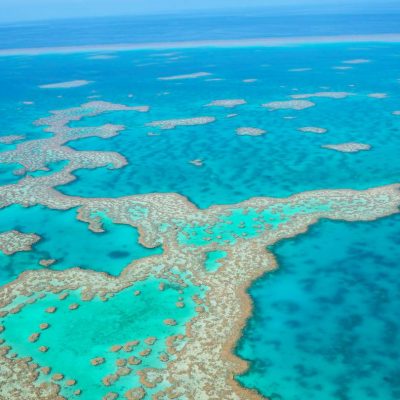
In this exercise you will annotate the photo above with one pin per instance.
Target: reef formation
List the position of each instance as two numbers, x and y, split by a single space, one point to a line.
166 327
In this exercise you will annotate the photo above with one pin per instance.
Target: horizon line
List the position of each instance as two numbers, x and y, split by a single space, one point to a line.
227 43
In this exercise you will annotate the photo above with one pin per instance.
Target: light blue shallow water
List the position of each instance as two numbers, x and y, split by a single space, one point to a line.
282 162
75 337
326 324
69 242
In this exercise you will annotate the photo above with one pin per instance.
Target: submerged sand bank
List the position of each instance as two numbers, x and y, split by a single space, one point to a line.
257 42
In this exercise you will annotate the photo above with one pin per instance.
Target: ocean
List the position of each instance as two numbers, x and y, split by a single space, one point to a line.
243 24
290 119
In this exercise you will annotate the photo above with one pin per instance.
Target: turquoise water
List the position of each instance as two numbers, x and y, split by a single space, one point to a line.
246 223
282 162
75 337
214 260
52 168
69 241
7 173
326 324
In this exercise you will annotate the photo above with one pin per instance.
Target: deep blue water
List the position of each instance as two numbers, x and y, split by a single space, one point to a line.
243 24
326 324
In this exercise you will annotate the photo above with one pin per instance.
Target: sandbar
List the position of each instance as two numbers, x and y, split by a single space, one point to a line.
300 69
342 68
185 76
357 61
351 147
226 103
66 85
256 42
173 123
378 95
248 131
289 105
313 129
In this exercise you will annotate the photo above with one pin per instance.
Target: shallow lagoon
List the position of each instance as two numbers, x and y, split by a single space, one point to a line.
69 242
74 337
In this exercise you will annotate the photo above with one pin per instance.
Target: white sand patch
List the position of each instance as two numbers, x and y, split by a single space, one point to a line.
300 69
198 162
357 61
342 68
378 95
173 123
229 103
66 85
101 57
185 76
164 54
177 58
140 108
313 129
248 131
396 112
351 147
289 104
331 95
249 80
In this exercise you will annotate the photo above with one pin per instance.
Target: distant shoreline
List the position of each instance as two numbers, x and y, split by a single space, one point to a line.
261 42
